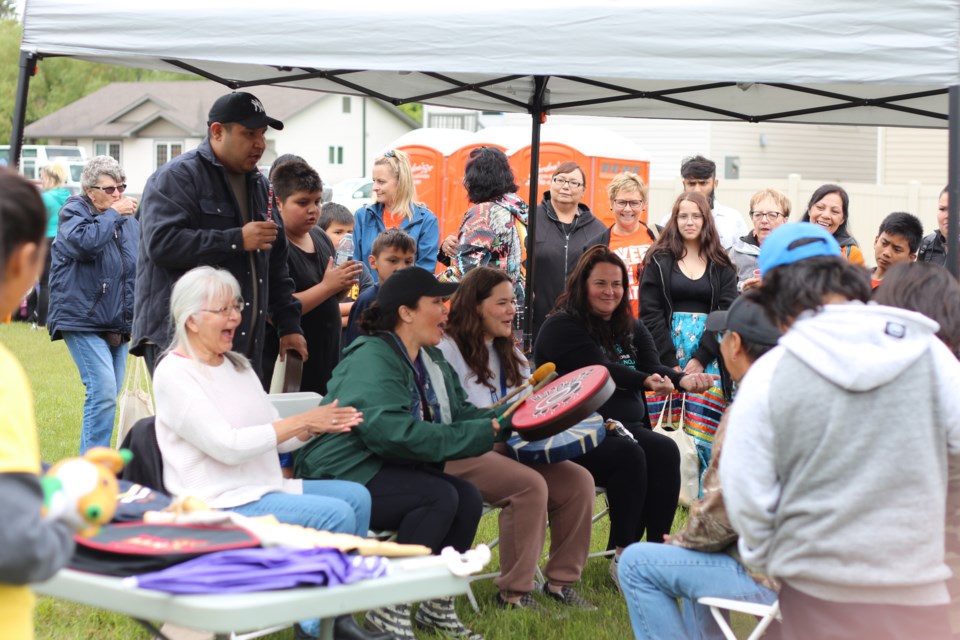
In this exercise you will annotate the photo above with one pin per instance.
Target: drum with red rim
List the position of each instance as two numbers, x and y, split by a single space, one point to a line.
563 403
570 443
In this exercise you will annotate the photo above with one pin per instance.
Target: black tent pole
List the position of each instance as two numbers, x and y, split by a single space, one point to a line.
953 185
536 116
28 67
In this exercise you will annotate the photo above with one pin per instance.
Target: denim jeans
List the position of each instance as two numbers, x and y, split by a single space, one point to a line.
102 368
337 506
653 576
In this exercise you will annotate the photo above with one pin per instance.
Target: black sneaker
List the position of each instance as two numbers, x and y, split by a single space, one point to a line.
569 597
527 601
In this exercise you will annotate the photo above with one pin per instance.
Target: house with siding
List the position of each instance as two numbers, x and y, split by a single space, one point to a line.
145 124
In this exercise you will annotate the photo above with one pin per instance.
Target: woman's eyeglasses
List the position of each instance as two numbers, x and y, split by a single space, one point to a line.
573 184
765 215
236 307
111 190
624 204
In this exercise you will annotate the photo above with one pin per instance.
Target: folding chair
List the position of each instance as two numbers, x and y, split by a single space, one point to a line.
601 491
766 612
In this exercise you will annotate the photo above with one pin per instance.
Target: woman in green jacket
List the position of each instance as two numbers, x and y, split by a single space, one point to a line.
416 416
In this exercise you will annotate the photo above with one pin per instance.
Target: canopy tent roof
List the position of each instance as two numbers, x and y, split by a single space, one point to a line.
850 62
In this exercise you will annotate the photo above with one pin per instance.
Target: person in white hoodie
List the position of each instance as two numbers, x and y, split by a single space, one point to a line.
835 465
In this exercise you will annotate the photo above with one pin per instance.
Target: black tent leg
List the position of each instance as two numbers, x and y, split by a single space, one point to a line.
536 116
28 67
953 185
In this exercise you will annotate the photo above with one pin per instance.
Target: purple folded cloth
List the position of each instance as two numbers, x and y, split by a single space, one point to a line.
246 570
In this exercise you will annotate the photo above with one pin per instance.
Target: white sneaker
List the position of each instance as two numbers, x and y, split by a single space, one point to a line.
614 571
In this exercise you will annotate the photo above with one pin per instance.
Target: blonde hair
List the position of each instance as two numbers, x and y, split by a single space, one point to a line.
56 173
782 200
626 181
399 164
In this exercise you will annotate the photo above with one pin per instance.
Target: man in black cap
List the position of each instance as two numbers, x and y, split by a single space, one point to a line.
211 206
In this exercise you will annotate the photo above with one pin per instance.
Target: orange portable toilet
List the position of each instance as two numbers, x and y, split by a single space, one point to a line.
427 166
456 201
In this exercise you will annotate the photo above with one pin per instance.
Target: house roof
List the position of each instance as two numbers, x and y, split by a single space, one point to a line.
183 103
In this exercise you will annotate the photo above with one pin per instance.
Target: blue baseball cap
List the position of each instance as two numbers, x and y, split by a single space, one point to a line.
796 241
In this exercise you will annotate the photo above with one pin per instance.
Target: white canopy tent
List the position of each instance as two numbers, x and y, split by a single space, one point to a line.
851 62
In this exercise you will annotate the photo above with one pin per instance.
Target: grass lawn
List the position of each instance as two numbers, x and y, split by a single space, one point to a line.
58 393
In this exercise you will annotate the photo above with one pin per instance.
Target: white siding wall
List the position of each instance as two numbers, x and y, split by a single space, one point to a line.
913 154
313 131
818 152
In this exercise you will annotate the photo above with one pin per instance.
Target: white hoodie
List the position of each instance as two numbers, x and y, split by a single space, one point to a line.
834 469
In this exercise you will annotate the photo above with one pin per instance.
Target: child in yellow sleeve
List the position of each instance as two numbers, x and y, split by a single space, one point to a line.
31 549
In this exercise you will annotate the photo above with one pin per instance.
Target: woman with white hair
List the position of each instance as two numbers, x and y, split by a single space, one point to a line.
220 436
92 274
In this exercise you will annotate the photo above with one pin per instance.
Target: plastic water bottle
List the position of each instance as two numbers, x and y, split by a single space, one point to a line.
344 249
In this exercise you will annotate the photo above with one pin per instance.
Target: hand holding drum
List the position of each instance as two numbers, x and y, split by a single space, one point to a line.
538 376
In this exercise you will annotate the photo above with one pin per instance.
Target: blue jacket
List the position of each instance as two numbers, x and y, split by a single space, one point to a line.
93 268
423 228
190 218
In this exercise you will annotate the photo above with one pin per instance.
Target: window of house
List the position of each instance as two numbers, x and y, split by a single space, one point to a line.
346 104
107 148
166 151
335 155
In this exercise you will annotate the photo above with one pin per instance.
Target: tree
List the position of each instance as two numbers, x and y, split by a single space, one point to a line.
59 81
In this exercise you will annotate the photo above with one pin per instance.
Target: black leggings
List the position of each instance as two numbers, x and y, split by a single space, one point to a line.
642 483
425 506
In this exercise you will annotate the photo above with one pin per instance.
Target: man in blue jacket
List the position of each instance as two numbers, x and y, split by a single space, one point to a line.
211 206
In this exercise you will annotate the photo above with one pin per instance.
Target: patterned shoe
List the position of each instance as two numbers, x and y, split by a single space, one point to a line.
394 619
527 601
440 615
569 597
615 572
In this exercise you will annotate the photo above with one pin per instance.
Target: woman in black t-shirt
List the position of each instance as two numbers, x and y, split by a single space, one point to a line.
318 283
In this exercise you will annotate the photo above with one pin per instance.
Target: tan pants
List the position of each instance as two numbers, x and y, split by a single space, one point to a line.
527 494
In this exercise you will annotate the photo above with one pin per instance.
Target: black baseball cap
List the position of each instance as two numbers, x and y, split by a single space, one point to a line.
242 108
747 318
406 286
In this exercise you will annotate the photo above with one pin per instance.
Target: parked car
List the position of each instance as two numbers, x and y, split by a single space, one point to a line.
353 193
34 157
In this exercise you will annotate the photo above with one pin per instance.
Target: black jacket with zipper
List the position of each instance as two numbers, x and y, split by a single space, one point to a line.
656 306
557 251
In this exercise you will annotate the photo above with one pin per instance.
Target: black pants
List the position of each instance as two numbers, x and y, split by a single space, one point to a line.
425 506
807 617
642 482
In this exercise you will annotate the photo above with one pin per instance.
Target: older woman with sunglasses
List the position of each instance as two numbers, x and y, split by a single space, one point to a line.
92 274
565 227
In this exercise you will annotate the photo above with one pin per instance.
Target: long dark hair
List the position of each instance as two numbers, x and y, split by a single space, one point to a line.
465 326
488 175
818 195
671 241
23 218
374 320
619 328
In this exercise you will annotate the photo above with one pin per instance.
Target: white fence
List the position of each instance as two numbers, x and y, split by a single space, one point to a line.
869 203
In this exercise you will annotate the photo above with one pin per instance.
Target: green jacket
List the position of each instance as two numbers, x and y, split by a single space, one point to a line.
377 381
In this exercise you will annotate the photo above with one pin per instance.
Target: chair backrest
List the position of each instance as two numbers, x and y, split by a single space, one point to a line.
146 467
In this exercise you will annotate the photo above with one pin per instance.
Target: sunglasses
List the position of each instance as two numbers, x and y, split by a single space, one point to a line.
111 190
